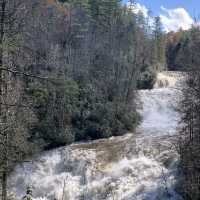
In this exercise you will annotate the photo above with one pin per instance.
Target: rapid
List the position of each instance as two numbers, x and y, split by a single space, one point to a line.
139 166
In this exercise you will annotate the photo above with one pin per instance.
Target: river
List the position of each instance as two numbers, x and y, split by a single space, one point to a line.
140 166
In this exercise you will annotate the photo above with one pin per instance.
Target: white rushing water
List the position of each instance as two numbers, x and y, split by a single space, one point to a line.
130 167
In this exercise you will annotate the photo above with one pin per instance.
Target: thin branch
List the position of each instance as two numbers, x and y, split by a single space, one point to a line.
14 105
16 72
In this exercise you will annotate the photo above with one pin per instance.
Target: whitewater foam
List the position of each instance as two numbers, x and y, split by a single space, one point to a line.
130 167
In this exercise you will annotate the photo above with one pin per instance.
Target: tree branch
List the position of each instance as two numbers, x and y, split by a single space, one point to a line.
16 72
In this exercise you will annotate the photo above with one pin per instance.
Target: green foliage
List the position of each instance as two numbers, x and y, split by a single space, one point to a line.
63 1
39 95
176 49
146 80
54 109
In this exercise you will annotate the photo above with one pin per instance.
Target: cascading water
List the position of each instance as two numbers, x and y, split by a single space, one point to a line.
140 166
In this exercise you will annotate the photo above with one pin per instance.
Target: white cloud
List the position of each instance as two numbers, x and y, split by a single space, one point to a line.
142 9
174 19
139 8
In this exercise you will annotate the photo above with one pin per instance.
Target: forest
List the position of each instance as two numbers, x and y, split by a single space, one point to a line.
70 71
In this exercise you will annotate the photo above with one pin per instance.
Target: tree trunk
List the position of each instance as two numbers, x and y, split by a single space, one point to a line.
4 185
2 85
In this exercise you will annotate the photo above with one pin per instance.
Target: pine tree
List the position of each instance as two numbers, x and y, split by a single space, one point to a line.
159 48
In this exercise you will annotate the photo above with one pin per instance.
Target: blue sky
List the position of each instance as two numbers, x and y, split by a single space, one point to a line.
175 14
192 6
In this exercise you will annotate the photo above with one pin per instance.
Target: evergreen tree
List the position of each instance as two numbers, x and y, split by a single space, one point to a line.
159 45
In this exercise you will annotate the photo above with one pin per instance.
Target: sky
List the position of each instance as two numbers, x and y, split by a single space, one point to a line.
174 14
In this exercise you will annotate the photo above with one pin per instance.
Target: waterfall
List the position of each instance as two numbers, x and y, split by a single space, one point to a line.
140 166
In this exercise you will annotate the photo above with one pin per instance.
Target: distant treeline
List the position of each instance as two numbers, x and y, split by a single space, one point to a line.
177 46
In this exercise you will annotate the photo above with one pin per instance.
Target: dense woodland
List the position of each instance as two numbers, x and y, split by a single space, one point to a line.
183 54
70 71
176 47
189 60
